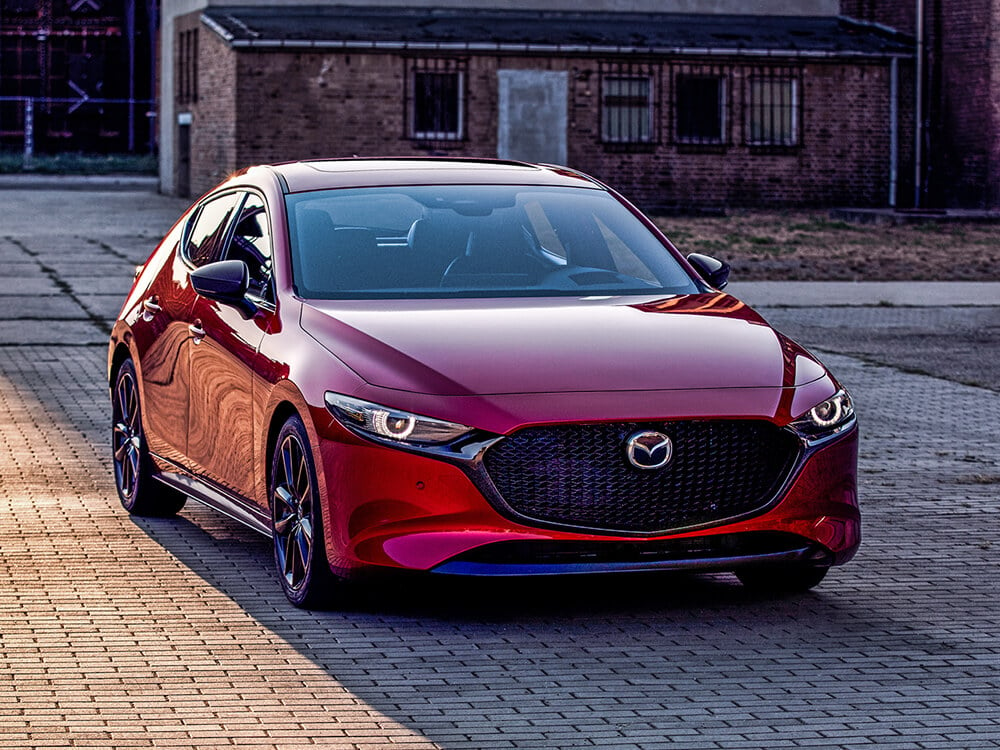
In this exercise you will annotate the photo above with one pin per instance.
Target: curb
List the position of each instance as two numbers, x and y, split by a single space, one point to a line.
867 293
144 183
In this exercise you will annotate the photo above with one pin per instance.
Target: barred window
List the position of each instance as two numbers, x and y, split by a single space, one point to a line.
627 109
187 66
773 111
437 106
701 108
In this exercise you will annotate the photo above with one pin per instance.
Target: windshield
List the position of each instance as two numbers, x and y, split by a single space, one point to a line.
474 241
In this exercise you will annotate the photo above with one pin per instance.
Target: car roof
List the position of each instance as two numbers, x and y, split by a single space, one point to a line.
302 176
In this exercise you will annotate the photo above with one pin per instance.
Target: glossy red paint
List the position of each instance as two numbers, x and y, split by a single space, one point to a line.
213 402
410 511
498 346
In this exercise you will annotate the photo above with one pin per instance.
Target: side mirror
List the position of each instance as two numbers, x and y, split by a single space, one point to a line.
225 281
713 270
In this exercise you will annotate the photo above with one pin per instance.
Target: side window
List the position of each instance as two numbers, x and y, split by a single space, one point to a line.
700 106
251 243
206 236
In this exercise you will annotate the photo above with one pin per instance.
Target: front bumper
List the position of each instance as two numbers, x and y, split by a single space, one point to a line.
394 509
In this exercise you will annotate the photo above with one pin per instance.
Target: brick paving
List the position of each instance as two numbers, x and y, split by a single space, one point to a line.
117 632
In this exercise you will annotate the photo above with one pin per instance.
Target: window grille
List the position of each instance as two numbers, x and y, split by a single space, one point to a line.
437 99
629 95
187 68
773 107
701 104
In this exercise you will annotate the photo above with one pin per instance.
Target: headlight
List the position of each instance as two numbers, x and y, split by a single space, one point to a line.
826 418
384 423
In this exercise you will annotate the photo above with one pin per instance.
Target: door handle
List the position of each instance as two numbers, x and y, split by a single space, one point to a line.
196 331
150 307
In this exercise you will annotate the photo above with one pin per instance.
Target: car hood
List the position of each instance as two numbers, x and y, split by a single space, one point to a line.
501 346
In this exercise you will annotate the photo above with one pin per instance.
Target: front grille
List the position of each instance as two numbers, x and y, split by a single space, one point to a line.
578 475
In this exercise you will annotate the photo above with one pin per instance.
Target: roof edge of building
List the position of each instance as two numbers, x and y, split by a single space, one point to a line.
239 36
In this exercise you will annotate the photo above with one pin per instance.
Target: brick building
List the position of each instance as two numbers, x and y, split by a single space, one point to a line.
960 155
780 104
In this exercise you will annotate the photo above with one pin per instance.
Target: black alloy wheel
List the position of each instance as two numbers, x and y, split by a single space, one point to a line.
299 552
139 493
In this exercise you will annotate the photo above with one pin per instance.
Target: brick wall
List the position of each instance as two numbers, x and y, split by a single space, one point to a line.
898 14
316 104
962 93
962 96
843 158
211 104
216 117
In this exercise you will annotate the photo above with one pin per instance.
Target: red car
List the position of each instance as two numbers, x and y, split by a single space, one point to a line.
471 368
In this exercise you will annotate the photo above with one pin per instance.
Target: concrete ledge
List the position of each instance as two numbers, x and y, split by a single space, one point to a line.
915 216
96 183
867 293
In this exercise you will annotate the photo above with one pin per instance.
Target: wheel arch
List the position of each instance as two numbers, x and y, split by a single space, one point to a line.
120 354
282 411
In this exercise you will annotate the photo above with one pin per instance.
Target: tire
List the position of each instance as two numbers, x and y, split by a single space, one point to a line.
140 494
296 521
782 579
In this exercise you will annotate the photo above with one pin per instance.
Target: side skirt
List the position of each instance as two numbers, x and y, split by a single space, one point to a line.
217 499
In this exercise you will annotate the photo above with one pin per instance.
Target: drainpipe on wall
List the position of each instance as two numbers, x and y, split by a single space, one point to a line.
893 130
919 130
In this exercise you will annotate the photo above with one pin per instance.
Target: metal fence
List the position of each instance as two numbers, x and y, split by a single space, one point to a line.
84 123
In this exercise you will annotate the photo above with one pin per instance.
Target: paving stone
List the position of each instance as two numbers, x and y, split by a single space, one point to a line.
122 632
41 307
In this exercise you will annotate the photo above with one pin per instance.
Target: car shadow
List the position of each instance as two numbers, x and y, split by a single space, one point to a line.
682 647
413 595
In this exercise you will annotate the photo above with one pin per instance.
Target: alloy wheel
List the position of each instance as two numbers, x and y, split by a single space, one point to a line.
293 513
127 436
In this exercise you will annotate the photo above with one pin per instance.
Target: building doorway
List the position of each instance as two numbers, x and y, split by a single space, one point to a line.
532 115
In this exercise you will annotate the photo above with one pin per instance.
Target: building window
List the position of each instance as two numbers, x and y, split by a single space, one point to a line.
187 67
437 104
773 110
627 106
701 108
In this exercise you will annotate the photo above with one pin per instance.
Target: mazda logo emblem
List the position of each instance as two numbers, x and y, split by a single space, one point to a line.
649 450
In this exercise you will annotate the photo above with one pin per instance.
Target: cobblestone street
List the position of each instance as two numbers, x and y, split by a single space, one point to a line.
121 632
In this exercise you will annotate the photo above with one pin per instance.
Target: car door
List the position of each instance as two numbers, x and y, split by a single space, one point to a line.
166 365
165 361
224 357
160 334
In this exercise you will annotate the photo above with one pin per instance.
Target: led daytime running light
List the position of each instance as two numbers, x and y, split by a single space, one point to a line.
825 418
387 424
395 426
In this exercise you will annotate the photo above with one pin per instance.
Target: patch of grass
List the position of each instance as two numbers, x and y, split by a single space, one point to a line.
820 224
709 247
12 162
809 245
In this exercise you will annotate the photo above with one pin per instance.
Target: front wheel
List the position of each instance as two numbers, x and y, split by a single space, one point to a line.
139 493
297 523
782 579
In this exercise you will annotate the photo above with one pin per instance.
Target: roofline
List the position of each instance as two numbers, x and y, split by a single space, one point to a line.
533 48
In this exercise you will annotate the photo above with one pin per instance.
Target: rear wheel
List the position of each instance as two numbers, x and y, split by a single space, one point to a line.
297 524
139 493
782 579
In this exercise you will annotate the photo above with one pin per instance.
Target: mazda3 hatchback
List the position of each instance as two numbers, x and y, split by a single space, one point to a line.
474 368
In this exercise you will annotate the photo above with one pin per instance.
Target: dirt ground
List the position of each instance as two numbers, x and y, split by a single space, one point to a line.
811 246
